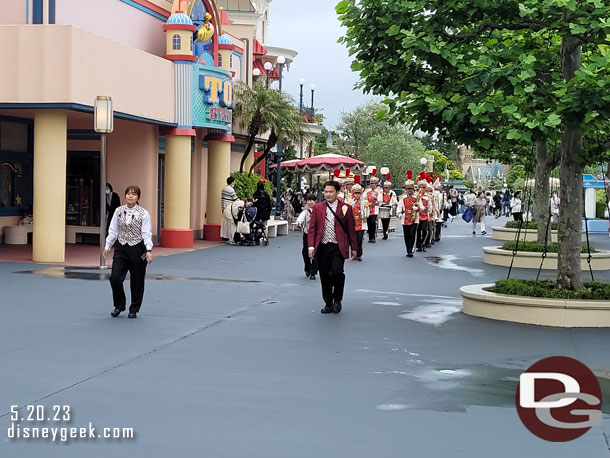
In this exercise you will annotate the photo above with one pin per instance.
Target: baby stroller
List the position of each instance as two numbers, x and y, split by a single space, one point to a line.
250 229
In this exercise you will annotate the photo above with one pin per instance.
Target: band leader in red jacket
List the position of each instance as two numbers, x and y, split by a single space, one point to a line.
331 235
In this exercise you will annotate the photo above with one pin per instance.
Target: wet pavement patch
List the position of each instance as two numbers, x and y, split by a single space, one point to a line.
88 273
448 262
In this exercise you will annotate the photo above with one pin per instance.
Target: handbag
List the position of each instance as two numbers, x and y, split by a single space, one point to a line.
243 226
467 215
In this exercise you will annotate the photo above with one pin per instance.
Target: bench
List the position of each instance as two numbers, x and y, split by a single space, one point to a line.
277 227
71 232
17 235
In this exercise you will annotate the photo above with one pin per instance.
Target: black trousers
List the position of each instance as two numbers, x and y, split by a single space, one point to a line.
332 277
359 238
437 233
409 232
128 259
385 224
422 234
371 222
431 230
311 265
518 216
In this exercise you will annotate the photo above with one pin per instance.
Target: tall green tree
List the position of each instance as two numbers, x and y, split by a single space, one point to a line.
357 127
397 150
259 109
495 74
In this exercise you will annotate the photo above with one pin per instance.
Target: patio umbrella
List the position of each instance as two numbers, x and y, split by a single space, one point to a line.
329 162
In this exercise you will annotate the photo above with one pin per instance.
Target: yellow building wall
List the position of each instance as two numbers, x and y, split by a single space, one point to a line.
133 150
56 64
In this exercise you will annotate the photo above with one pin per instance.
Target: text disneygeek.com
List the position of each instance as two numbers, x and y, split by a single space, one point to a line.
38 422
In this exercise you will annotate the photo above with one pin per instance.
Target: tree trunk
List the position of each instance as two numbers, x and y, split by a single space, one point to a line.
571 189
542 196
246 153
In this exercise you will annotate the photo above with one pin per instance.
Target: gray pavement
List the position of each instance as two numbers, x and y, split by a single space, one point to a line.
230 357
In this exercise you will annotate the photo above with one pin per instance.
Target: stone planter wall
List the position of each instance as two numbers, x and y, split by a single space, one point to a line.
476 301
529 235
496 256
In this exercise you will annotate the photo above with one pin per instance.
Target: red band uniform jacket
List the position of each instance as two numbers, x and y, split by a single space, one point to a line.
316 227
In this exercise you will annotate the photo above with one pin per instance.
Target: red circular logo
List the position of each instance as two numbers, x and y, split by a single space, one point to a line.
558 399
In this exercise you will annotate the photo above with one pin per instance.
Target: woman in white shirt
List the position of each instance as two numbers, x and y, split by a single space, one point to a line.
554 205
130 234
515 205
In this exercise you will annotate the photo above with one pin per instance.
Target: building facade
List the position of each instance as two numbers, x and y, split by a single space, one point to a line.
169 67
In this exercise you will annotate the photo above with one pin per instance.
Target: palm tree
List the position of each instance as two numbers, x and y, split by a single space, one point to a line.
259 110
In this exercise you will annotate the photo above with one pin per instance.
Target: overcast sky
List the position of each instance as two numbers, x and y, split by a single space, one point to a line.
311 28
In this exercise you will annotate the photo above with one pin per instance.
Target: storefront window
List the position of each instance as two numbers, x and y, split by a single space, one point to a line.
15 167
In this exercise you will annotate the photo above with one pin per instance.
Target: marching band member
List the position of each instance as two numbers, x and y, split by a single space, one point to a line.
440 200
372 200
407 212
423 204
432 213
388 203
355 200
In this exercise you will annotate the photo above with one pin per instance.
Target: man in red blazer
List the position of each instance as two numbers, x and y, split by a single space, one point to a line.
331 235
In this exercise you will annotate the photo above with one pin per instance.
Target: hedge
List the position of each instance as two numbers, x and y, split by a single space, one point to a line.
245 185
594 290
535 247
527 225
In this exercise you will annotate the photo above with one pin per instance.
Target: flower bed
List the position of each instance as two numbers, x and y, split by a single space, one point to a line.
534 247
527 225
594 290
499 256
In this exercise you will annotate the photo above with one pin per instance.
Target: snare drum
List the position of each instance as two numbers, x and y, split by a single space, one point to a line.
385 212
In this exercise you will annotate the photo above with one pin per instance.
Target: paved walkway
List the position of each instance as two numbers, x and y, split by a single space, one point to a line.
230 357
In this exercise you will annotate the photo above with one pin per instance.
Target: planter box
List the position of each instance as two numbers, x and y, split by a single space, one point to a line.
476 301
496 256
527 235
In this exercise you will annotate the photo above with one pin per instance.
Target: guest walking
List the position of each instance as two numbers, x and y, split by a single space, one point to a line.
311 264
478 213
113 201
515 205
331 235
130 227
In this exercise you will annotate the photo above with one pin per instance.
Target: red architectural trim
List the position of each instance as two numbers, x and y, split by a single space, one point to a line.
239 50
178 57
177 238
168 27
219 138
153 7
230 47
180 132
211 232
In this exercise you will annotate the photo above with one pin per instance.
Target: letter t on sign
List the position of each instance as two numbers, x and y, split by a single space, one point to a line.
212 86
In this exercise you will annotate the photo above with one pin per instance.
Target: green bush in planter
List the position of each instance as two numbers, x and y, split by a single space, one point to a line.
594 290
534 247
527 225
245 185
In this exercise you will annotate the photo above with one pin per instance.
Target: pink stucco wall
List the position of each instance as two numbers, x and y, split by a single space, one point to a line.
115 20
12 12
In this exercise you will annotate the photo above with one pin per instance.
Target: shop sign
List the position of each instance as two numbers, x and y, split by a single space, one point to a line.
213 98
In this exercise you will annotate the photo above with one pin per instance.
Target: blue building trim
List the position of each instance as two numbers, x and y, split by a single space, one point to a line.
146 10
37 12
84 109
51 11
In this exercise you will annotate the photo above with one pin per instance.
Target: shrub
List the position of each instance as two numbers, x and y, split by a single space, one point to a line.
594 290
535 247
527 225
245 185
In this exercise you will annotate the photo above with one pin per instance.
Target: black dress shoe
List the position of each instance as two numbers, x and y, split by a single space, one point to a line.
337 307
373 241
312 277
132 315
409 255
116 312
418 250
307 274
385 237
327 309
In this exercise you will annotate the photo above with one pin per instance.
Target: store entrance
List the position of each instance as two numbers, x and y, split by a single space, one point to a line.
82 189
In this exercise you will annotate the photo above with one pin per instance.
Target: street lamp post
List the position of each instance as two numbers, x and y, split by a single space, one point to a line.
301 83
281 60
103 123
268 67
313 88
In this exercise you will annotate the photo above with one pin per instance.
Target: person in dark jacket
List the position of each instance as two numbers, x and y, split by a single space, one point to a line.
262 202
113 201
